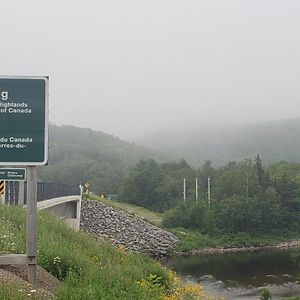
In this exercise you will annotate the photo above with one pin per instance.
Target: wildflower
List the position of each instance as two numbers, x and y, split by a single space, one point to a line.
170 297
56 260
95 259
145 284
193 289
122 248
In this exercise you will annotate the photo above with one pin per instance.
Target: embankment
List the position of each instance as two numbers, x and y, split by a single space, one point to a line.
122 228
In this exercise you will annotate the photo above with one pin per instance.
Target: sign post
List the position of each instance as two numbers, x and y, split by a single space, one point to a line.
24 142
31 223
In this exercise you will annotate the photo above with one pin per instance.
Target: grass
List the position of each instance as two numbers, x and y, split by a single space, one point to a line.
153 217
194 240
191 240
12 292
90 269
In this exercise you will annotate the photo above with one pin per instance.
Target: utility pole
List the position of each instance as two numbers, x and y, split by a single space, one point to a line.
196 187
208 190
184 189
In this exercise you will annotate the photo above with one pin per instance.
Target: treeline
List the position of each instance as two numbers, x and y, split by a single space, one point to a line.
245 196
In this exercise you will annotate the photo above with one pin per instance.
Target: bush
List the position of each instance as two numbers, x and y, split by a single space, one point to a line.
265 294
191 215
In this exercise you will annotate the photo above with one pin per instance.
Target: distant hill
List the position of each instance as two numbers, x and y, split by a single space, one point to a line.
274 141
83 155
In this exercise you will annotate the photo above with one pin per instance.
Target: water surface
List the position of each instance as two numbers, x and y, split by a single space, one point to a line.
242 275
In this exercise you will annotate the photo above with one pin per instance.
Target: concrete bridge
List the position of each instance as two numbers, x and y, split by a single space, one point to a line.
60 199
68 208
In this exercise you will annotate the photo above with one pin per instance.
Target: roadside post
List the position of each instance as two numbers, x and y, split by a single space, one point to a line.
24 142
2 191
81 191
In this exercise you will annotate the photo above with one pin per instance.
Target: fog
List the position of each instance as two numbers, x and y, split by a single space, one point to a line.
129 68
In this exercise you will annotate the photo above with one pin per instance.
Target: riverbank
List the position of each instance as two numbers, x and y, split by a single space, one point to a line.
195 243
221 250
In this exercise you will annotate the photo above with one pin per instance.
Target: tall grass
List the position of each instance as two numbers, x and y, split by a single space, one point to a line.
91 269
12 292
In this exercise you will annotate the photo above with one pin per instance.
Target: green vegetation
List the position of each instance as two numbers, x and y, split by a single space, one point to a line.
246 198
155 186
194 240
249 204
191 240
265 294
12 292
80 155
89 269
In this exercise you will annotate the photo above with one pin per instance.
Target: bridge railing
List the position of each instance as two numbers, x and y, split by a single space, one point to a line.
15 191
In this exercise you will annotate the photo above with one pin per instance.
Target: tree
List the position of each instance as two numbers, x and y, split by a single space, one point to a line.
147 181
190 214
270 209
262 176
231 215
141 186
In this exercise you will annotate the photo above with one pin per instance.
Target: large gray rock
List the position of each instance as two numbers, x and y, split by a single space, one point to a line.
122 228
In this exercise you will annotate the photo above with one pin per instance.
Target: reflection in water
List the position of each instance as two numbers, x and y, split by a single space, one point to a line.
241 274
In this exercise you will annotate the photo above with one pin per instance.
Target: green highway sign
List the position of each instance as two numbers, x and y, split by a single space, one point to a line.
23 121
13 174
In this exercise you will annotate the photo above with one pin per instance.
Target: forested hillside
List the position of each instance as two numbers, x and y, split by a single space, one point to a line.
83 155
274 141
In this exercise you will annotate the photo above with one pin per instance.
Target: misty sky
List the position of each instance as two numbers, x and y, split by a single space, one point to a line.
131 67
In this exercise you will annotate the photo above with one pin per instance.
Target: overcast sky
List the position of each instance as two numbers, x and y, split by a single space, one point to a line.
132 67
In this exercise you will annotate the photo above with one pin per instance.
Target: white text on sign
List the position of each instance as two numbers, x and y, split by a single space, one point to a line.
4 95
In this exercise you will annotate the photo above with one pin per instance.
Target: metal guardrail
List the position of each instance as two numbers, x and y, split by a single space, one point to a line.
45 190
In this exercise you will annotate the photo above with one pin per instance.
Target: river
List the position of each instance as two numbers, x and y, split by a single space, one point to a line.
242 275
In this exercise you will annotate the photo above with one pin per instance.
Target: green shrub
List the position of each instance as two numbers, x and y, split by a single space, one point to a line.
190 214
265 294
